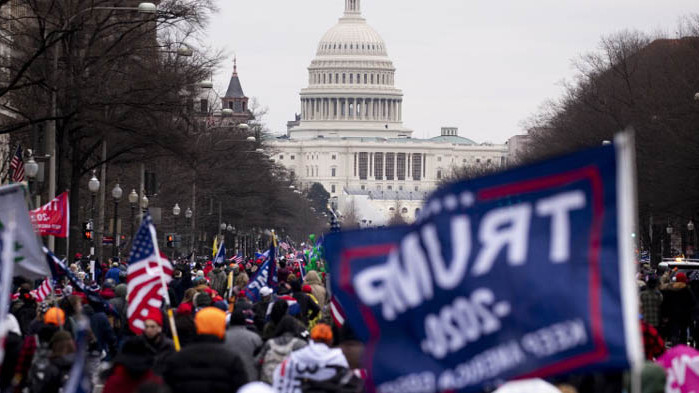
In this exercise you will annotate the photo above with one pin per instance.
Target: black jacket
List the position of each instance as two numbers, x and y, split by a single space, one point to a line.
205 366
309 308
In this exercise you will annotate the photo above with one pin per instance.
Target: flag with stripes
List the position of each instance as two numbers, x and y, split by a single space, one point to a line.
17 166
147 270
237 258
43 291
337 313
284 245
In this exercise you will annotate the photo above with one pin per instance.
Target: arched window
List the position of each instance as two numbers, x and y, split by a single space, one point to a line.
439 174
404 210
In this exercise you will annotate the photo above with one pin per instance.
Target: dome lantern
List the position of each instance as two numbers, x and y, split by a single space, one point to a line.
352 7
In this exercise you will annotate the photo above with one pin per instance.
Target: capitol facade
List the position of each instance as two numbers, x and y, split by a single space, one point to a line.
350 135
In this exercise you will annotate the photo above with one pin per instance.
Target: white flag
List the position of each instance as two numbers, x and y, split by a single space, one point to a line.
29 260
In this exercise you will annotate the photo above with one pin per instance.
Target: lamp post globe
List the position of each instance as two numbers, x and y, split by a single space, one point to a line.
244 126
229 228
176 210
690 225
188 213
117 192
94 184
31 168
133 197
223 226
251 139
147 8
227 112
144 202
669 229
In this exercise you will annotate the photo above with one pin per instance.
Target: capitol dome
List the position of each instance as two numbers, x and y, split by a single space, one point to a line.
352 36
351 91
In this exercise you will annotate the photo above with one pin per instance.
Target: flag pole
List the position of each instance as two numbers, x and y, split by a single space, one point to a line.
166 296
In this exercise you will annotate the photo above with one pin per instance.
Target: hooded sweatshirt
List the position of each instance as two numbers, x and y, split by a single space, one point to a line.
315 361
317 288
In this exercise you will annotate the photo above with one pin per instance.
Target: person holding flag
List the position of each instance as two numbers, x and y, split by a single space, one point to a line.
148 274
220 256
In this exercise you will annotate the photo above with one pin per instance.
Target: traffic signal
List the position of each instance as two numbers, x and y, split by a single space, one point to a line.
87 231
170 241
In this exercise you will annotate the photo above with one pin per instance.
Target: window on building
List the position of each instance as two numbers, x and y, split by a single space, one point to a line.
355 164
478 160
351 78
417 166
489 161
204 105
400 166
439 174
333 172
392 209
307 172
417 188
390 166
344 78
404 210
378 166
389 188
337 78
281 156
439 159
363 165
400 188
323 78
359 79
362 188
365 79
292 157
334 157
332 188
372 79
378 187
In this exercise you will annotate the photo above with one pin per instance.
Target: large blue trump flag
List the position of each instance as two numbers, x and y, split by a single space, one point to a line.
526 273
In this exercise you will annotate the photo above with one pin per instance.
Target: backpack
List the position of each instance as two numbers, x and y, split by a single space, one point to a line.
274 356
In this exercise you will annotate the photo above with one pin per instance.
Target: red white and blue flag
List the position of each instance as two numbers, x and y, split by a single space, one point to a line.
17 166
237 259
43 291
148 274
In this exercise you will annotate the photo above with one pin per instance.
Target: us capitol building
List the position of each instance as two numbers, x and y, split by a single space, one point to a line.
350 135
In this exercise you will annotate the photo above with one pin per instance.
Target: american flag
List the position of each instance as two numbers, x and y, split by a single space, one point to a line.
337 313
43 291
145 289
237 259
17 166
284 245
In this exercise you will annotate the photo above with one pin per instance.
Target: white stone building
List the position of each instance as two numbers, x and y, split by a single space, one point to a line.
351 138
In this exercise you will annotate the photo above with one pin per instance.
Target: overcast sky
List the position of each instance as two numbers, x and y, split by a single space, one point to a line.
481 65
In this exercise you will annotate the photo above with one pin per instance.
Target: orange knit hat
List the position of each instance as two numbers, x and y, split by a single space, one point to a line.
55 316
322 333
211 320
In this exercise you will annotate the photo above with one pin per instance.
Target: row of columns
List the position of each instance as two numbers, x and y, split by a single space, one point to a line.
371 109
382 161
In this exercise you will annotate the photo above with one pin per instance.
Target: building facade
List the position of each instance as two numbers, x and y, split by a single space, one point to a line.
350 135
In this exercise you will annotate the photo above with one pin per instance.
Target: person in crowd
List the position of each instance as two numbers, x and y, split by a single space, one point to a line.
159 345
243 341
308 308
37 348
651 300
49 376
132 368
120 322
186 329
24 309
12 347
106 339
287 338
278 311
218 279
206 365
186 307
113 273
316 367
678 303
260 308
313 279
283 272
308 291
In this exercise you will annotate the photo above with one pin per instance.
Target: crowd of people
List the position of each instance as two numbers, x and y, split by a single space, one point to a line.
284 342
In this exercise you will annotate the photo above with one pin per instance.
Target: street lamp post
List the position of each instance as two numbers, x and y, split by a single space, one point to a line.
133 202
31 168
188 216
94 186
116 194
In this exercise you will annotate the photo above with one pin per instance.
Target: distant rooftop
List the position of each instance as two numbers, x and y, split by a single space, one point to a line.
388 194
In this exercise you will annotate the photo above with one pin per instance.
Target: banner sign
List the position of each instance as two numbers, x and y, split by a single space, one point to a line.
266 276
52 219
681 364
526 273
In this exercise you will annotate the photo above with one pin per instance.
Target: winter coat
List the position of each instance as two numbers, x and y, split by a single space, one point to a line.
315 362
317 288
273 352
205 366
122 382
49 377
678 303
113 273
162 347
218 280
283 274
103 331
246 344
309 308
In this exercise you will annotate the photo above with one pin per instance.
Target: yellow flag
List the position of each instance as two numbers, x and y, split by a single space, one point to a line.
215 245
